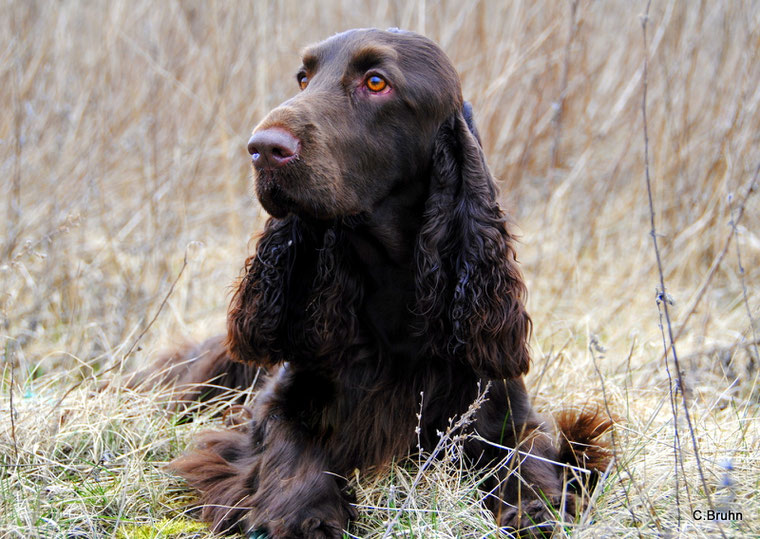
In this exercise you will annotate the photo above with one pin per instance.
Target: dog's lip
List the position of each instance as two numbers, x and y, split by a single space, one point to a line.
265 177
278 203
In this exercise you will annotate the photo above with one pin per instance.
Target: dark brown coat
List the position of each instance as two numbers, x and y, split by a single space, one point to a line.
386 271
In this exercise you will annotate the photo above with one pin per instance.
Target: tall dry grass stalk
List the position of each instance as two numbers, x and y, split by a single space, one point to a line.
122 141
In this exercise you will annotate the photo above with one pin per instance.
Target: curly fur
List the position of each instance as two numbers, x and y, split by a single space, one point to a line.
468 282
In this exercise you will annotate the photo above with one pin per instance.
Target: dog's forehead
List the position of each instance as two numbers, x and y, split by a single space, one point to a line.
393 43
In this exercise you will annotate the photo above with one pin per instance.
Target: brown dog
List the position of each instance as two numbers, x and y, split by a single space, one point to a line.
386 272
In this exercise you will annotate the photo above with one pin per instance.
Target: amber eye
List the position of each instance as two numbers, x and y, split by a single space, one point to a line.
303 81
376 84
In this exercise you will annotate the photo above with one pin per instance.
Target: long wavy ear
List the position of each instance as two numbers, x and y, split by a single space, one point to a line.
469 289
255 331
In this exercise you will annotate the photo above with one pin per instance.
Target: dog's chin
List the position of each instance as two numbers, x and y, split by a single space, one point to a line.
279 203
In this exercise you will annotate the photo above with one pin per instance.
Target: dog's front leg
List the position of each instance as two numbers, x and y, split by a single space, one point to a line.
271 478
296 496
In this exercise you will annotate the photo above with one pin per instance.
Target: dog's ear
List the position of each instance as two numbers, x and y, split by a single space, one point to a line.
255 317
470 292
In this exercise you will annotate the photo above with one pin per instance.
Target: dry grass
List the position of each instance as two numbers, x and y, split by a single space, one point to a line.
122 140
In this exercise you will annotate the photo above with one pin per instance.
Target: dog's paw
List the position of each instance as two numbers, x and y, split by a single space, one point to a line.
314 528
309 528
536 518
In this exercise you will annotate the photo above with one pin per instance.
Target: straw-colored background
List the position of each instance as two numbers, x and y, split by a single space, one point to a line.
122 149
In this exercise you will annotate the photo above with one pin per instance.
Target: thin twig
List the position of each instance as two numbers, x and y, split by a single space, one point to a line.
418 428
559 105
9 364
673 397
663 290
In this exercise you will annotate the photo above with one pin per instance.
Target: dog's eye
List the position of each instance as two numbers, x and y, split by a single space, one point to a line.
376 84
303 81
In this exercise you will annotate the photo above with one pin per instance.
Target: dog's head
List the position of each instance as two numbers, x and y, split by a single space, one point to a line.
366 116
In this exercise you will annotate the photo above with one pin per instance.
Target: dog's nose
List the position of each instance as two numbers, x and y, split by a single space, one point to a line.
272 147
